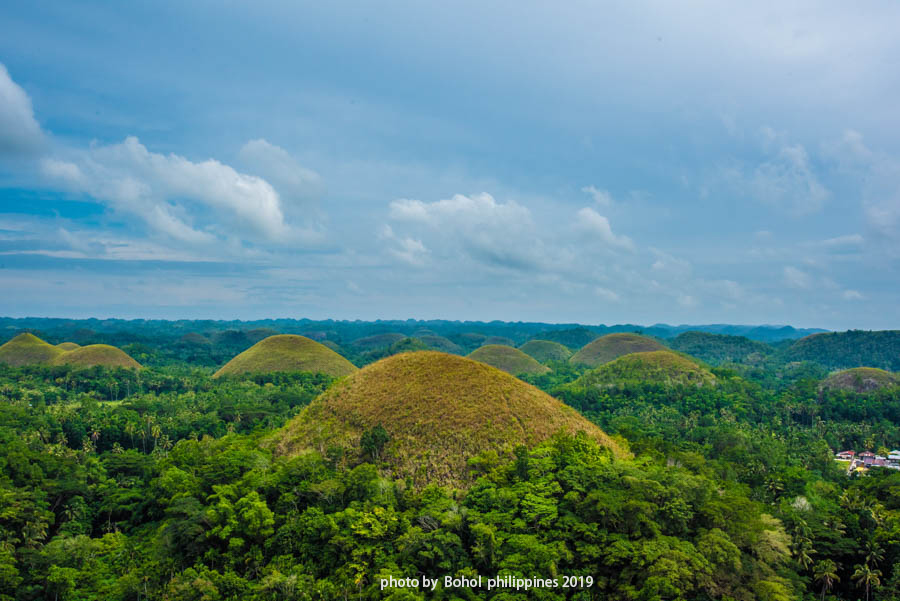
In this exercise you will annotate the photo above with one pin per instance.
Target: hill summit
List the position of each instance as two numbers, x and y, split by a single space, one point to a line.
438 411
546 350
287 352
509 359
656 367
28 349
861 379
606 348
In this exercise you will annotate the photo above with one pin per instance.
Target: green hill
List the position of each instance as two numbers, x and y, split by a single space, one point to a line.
860 379
854 348
439 343
574 338
716 349
438 410
611 346
494 340
96 354
28 349
649 367
509 359
68 346
378 341
288 352
546 350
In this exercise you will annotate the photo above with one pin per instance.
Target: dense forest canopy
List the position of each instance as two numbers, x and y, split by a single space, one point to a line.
164 482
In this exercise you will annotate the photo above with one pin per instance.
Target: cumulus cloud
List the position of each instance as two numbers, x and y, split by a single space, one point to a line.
597 225
500 234
19 131
408 250
795 278
601 197
194 202
293 181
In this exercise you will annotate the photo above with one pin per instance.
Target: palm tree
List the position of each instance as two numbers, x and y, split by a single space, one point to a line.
866 576
874 552
825 572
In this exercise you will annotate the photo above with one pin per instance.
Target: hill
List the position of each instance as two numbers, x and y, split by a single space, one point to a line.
611 346
656 367
288 352
68 346
28 349
860 379
854 348
377 341
546 350
716 349
498 340
574 338
96 354
438 410
509 359
439 343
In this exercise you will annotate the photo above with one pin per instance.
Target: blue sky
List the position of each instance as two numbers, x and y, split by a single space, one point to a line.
650 162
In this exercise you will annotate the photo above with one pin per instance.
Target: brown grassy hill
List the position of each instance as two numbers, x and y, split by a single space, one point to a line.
68 346
288 352
491 340
28 349
509 359
861 379
606 348
96 354
656 367
438 409
546 350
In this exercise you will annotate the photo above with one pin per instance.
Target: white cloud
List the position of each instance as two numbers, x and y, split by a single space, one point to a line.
408 250
849 240
19 131
796 278
194 202
277 166
788 181
597 225
601 197
606 294
851 295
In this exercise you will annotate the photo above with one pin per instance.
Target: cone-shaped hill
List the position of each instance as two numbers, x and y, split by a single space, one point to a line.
546 350
377 341
28 349
861 379
96 354
606 348
438 410
509 359
651 367
288 352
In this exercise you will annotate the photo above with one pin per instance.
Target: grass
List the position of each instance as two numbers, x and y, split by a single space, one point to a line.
509 359
861 379
657 367
502 340
439 343
28 349
96 354
287 352
438 409
609 347
546 350
68 346
378 341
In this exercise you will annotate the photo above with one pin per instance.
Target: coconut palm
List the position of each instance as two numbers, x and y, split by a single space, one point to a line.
867 577
825 573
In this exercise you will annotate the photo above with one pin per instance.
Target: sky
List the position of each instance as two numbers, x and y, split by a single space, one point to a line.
641 162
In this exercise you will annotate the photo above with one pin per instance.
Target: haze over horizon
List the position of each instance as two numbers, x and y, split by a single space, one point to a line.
689 164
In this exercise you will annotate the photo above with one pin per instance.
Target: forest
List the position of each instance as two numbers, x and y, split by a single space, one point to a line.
163 482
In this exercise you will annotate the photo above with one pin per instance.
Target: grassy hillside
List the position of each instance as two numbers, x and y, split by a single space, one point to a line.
574 338
860 379
28 349
438 410
68 346
96 354
493 340
439 343
611 346
716 349
855 348
546 350
653 367
287 352
509 359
